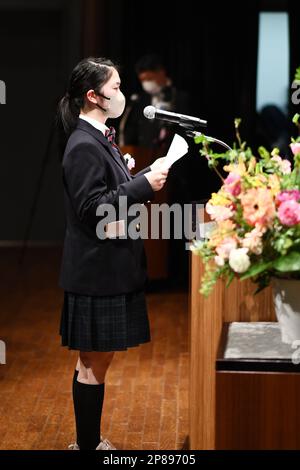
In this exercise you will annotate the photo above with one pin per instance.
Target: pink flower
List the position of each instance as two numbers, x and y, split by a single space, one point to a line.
288 195
225 247
295 148
253 240
233 184
284 165
289 213
258 206
218 213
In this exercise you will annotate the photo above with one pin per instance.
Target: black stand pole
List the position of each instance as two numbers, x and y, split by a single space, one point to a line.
36 195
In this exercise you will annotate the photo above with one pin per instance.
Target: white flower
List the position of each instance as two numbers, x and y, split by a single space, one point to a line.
219 261
239 261
284 165
130 161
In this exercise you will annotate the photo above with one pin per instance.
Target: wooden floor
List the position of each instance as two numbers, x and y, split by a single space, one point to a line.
146 400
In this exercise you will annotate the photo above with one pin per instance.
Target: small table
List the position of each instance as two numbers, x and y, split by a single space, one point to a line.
257 388
256 346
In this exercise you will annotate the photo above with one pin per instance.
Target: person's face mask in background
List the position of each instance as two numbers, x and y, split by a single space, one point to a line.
151 87
116 105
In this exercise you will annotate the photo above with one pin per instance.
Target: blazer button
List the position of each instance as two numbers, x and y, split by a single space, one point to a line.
138 227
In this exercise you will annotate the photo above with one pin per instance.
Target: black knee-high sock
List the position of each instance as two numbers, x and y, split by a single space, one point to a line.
76 372
88 403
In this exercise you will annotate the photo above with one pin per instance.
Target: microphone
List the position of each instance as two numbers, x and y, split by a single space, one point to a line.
190 122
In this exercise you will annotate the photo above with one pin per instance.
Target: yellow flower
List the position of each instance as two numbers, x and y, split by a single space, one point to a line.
258 181
223 229
239 168
219 199
226 226
274 184
251 165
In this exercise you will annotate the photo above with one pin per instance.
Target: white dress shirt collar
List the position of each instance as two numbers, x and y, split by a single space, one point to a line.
98 125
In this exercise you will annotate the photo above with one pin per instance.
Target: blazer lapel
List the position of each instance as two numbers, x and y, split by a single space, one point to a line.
86 126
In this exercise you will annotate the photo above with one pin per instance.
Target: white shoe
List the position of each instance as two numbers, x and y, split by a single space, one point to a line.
73 446
105 444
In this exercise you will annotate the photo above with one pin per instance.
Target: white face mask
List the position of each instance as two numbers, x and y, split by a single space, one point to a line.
116 105
151 87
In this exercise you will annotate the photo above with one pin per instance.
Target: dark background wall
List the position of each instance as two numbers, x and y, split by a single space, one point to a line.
39 44
210 49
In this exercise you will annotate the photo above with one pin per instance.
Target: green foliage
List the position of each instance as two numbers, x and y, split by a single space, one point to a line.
288 263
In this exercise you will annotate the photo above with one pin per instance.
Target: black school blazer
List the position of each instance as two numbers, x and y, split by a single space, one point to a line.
93 175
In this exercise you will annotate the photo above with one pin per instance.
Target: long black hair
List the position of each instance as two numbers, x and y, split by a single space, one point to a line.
89 74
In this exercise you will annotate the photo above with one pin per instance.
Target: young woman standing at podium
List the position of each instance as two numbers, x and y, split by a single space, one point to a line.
104 308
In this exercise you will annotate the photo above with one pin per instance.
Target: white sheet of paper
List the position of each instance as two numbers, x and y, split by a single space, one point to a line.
178 148
115 229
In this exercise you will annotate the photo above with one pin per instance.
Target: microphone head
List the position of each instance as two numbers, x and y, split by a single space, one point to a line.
149 112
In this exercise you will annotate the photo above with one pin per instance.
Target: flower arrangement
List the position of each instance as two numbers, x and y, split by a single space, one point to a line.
256 214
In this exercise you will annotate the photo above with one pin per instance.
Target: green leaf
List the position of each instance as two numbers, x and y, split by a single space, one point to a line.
199 139
289 262
237 122
230 278
256 269
263 152
296 118
275 151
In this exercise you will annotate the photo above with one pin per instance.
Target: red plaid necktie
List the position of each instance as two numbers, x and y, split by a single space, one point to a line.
110 134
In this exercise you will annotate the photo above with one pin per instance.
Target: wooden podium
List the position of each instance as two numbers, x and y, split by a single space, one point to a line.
207 316
157 251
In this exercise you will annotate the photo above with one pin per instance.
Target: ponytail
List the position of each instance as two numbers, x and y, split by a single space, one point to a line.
68 114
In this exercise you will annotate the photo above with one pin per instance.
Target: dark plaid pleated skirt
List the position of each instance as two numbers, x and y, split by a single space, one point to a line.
104 323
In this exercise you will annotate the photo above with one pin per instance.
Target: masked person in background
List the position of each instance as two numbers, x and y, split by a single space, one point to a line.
156 135
157 90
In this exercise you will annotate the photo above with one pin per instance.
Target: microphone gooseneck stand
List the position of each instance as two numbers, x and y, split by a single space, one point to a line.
193 133
190 132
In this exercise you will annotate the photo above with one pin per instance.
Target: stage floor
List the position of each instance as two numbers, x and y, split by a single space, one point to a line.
146 400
